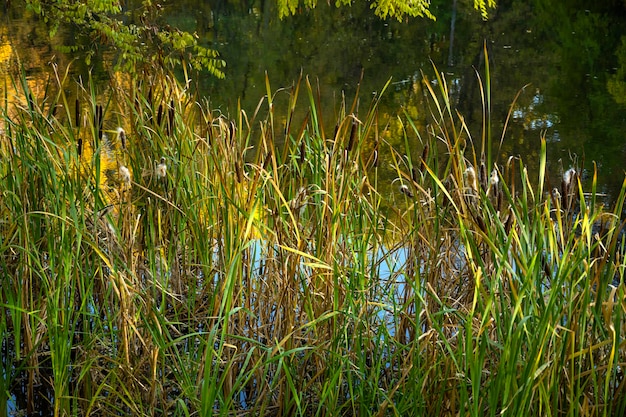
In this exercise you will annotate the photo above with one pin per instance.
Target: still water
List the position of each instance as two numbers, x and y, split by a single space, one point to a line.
566 61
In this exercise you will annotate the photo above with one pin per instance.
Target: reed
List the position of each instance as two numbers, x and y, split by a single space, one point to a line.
197 264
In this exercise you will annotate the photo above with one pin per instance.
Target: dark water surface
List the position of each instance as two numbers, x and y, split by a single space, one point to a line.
568 59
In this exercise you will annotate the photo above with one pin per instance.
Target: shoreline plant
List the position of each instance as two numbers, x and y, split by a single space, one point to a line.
268 271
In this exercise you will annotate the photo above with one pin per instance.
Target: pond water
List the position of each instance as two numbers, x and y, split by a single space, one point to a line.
568 61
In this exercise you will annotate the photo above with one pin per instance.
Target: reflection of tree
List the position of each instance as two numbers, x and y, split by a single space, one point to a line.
562 49
616 83
332 45
583 38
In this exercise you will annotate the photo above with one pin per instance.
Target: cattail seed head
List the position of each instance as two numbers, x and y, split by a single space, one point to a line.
121 135
161 169
569 188
555 196
404 189
124 175
470 178
494 180
569 176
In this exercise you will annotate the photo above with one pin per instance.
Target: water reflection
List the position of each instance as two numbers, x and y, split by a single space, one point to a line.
570 86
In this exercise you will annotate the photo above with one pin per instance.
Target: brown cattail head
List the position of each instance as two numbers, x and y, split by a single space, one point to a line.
209 135
77 113
232 129
121 135
352 135
171 115
150 97
336 131
482 176
98 120
302 152
160 115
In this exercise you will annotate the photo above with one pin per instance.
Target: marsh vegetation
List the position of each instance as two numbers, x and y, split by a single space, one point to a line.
194 265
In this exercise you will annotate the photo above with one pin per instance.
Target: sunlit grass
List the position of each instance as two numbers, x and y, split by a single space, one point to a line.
200 265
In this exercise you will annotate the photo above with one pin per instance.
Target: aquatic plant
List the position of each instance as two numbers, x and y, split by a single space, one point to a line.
270 270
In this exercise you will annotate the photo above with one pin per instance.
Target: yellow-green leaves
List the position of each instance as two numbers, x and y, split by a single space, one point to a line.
483 5
397 9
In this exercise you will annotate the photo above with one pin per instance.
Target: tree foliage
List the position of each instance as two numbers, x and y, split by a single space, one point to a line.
398 9
137 35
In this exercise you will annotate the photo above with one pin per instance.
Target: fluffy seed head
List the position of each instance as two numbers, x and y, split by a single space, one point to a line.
404 189
161 169
494 179
569 176
470 178
121 135
124 175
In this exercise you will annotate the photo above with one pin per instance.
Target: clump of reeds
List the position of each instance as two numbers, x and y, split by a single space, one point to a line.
232 266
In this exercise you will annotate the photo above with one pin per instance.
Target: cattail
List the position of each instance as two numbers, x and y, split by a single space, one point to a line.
481 223
494 181
77 113
482 176
124 175
231 132
568 187
268 158
336 131
121 135
470 179
404 189
79 147
160 115
98 120
555 196
352 135
568 176
302 152
161 169
209 136
170 119
150 97
424 158
238 171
